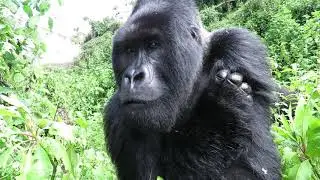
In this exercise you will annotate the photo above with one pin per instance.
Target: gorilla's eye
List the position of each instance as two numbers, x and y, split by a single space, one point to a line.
153 44
130 50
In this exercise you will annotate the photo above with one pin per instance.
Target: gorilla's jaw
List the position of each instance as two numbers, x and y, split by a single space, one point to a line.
157 115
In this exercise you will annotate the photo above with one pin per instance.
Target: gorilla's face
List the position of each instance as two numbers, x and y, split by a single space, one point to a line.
156 60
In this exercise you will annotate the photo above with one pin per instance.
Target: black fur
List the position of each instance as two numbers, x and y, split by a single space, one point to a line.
193 107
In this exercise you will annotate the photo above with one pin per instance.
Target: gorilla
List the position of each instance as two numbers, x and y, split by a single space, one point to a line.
189 104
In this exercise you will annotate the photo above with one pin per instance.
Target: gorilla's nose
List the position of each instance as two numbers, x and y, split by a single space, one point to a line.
134 77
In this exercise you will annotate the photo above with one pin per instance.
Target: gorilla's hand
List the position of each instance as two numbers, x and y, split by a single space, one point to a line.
234 82
230 89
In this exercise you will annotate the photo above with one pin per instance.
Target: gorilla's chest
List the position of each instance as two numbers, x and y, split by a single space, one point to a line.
193 154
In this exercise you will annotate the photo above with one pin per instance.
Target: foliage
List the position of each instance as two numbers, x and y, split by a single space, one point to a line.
86 86
34 147
99 28
19 42
297 132
46 135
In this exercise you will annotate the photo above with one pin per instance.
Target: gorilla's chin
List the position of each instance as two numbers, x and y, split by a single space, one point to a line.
148 115
134 102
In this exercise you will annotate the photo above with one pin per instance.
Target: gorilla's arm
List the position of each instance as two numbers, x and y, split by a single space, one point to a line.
238 50
241 86
239 66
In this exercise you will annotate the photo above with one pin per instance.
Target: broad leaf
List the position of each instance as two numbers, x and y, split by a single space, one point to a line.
4 156
302 116
41 167
305 171
313 135
27 9
50 23
33 22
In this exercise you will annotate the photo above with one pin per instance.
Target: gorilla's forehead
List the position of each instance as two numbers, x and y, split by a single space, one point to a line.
145 22
134 33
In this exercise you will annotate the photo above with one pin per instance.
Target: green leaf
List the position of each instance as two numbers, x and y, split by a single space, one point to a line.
33 22
60 2
50 23
44 7
63 130
11 6
27 9
41 167
14 101
6 112
313 134
4 156
292 172
18 78
305 171
302 116
290 156
4 90
82 123
27 162
8 56
42 123
159 178
43 47
73 156
59 152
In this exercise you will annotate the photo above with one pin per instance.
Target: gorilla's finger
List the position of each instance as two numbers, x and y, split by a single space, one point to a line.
236 78
221 75
246 88
250 99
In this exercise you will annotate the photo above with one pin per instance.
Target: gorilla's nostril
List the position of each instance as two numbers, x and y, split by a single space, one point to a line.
139 76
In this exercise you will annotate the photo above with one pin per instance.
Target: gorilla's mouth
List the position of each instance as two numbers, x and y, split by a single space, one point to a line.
134 101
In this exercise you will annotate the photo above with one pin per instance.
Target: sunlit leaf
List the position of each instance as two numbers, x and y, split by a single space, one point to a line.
313 134
60 2
18 77
302 116
11 6
14 101
292 172
305 171
50 23
41 166
8 112
42 123
82 123
73 156
63 130
33 22
27 163
4 156
8 56
27 9
60 153
44 7
159 178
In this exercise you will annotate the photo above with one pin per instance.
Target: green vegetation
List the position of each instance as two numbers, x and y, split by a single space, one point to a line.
50 118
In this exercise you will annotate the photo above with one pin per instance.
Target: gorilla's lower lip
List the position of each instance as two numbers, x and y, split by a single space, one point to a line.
130 102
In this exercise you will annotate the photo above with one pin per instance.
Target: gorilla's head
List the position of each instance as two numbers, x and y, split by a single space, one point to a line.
157 58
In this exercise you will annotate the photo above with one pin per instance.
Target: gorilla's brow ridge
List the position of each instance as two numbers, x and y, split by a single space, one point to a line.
136 33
